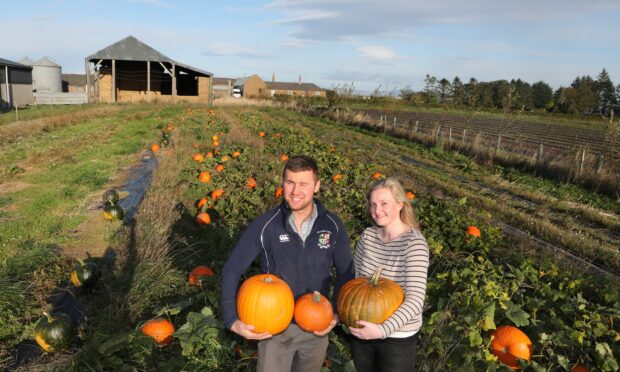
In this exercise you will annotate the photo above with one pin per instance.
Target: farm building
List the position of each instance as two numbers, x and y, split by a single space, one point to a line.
74 83
131 71
15 84
251 86
295 89
222 87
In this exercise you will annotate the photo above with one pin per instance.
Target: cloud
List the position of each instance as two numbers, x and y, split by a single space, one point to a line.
377 52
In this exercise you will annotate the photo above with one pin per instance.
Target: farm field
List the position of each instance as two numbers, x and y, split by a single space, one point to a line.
514 274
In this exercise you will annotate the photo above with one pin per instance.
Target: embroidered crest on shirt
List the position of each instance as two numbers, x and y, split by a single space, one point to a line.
324 239
284 238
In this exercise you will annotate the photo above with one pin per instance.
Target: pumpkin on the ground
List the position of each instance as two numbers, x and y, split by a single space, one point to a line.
111 196
266 302
473 231
155 148
410 195
313 312
159 329
204 177
279 192
113 212
251 184
197 275
54 332
377 175
203 218
510 343
84 273
371 299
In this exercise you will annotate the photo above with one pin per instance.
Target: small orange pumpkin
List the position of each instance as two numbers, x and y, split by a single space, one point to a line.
251 184
198 273
216 194
225 158
159 329
202 202
262 134
579 368
266 302
219 168
204 177
277 135
155 148
236 154
209 154
510 343
203 218
279 192
337 177
313 312
410 195
215 143
215 138
283 158
473 231
376 175
198 157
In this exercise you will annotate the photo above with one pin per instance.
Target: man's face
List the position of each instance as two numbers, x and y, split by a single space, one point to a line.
299 189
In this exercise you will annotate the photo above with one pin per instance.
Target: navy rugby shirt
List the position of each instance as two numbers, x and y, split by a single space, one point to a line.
306 266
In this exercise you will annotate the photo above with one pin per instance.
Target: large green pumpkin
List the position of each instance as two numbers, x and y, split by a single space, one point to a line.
84 273
111 197
54 332
371 299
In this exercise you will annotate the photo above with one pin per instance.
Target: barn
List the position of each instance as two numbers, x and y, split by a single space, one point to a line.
15 84
131 71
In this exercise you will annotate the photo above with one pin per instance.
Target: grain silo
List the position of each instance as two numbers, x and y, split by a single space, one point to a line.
46 76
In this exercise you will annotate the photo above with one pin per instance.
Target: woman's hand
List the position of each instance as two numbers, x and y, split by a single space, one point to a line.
368 330
246 331
331 326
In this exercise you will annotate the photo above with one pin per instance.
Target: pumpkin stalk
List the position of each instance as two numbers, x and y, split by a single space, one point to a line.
375 277
49 317
316 296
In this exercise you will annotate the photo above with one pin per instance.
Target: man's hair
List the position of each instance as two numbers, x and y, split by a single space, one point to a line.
300 163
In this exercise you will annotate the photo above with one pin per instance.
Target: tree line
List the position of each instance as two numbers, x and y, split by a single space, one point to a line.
585 96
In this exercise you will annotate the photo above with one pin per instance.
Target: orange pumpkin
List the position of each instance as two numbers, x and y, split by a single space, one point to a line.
376 175
510 343
251 184
337 177
279 192
159 329
204 177
277 135
473 231
225 158
215 138
216 194
371 299
215 143
283 158
219 168
209 154
266 302
410 195
196 146
262 134
579 368
198 273
203 218
201 203
199 157
313 312
155 147
236 154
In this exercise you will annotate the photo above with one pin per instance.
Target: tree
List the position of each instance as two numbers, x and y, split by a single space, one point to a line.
542 95
607 99
407 94
444 90
586 96
522 99
471 99
431 91
458 91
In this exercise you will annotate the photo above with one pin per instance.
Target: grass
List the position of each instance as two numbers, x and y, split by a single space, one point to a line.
41 111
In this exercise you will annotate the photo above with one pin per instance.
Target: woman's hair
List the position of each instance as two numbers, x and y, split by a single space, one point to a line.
406 213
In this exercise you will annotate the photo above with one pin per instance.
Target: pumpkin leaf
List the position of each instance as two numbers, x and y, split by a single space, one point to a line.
516 314
173 309
488 320
475 339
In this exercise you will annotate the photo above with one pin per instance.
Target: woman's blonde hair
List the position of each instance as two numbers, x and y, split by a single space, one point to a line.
398 192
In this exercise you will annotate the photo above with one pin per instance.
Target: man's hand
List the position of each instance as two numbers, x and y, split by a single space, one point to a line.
331 326
246 331
368 330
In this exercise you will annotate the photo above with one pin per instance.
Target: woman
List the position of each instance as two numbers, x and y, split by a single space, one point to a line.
395 243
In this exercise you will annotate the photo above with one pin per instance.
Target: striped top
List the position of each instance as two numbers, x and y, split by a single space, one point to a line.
405 261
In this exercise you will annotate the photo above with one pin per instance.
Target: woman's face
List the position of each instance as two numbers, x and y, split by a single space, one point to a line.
384 209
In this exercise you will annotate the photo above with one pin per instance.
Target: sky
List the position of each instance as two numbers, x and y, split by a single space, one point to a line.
373 45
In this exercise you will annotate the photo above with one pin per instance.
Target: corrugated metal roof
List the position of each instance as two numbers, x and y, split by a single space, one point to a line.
46 61
293 86
132 49
240 81
75 79
223 80
6 62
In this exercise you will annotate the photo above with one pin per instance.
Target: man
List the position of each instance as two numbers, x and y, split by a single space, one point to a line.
299 241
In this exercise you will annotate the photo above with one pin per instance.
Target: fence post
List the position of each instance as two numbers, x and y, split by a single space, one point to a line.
499 142
438 129
599 164
16 114
450 135
394 121
583 158
540 152
463 140
416 126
